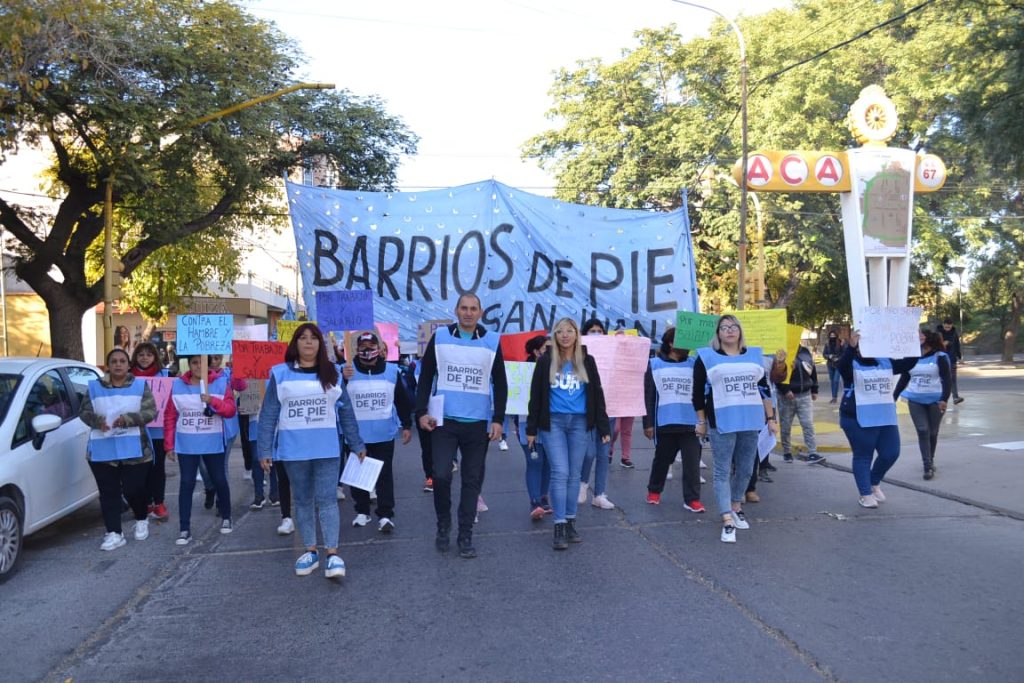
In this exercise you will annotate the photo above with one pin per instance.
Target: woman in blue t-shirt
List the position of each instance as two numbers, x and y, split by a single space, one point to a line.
566 404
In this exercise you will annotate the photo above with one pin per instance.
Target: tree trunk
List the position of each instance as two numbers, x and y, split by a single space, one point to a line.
66 326
1013 329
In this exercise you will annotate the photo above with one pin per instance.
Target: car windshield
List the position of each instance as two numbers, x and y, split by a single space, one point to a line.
8 386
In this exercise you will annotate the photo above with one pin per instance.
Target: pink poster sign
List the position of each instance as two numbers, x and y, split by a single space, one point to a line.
161 388
621 362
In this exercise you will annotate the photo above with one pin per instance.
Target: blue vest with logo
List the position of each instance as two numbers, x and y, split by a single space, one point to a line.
737 398
925 384
464 374
121 443
307 426
196 433
373 401
674 385
872 388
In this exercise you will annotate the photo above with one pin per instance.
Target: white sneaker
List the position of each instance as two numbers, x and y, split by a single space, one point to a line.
361 520
503 445
728 534
141 530
669 475
287 527
703 480
225 526
481 506
739 520
582 498
385 525
868 501
602 502
341 493
703 466
112 540
876 491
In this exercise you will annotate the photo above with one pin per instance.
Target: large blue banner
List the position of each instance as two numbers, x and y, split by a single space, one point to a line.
530 259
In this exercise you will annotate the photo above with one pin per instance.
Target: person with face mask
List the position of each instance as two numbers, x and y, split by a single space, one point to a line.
382 403
832 352
926 388
145 363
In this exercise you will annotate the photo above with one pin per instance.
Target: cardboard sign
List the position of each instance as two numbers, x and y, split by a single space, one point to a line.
694 330
889 332
764 328
253 359
251 399
206 334
425 332
513 347
161 388
621 363
519 375
251 332
339 311
286 329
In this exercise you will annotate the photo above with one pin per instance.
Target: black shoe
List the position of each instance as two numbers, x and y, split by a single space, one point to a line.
561 539
571 534
763 476
443 539
465 542
958 400
787 457
211 497
628 464
815 459
768 466
929 473
274 502
258 503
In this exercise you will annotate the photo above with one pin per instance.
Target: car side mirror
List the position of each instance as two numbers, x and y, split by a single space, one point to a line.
41 425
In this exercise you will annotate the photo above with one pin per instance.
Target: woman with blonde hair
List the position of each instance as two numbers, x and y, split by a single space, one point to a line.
566 405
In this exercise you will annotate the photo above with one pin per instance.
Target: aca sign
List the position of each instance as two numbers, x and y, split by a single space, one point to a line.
815 171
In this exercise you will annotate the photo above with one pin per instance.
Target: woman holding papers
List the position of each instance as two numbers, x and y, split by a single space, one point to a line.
732 410
926 387
299 426
380 401
145 363
566 405
867 415
117 407
538 469
194 432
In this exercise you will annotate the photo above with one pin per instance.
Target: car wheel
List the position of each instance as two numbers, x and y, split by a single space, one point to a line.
10 537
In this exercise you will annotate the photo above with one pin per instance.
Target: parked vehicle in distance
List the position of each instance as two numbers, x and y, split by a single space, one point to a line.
43 471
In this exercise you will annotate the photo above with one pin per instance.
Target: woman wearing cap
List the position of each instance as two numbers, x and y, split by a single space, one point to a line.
381 403
927 386
118 407
732 412
299 425
566 404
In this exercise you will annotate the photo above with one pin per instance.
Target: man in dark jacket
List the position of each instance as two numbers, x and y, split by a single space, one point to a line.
795 399
951 336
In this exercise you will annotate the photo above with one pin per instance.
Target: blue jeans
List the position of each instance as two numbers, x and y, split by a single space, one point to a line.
566 445
864 441
734 455
538 473
835 380
189 464
314 485
597 452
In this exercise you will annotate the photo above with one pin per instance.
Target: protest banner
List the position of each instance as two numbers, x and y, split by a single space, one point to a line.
388 333
888 331
764 328
513 346
621 363
425 331
694 330
286 328
250 400
519 375
161 388
253 359
344 310
206 334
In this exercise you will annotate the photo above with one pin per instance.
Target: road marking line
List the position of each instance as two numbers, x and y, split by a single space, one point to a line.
1006 445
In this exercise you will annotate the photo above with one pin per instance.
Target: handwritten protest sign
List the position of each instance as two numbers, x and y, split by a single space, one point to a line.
519 375
513 346
764 328
204 334
694 330
339 311
161 388
253 359
251 332
888 331
286 328
389 335
251 399
425 331
621 363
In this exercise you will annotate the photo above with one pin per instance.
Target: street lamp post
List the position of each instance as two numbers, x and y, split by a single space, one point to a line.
959 270
742 244
108 204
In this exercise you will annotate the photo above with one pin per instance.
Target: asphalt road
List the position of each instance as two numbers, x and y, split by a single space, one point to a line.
926 588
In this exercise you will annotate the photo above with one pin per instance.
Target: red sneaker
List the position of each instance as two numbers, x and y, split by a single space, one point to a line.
653 498
160 512
694 506
428 485
537 513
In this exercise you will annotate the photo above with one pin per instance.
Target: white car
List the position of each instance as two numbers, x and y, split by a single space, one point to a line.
43 471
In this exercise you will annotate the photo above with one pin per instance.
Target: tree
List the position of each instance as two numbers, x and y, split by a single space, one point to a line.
115 87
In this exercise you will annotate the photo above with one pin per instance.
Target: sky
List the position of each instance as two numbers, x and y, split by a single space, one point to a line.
471 78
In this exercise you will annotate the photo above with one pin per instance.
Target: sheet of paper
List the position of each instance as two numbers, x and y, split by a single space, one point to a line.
888 332
621 363
435 408
363 475
519 376
765 443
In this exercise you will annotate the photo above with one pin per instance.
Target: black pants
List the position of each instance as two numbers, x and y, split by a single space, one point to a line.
668 444
284 489
384 451
927 419
952 377
114 479
469 438
426 451
243 435
156 480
